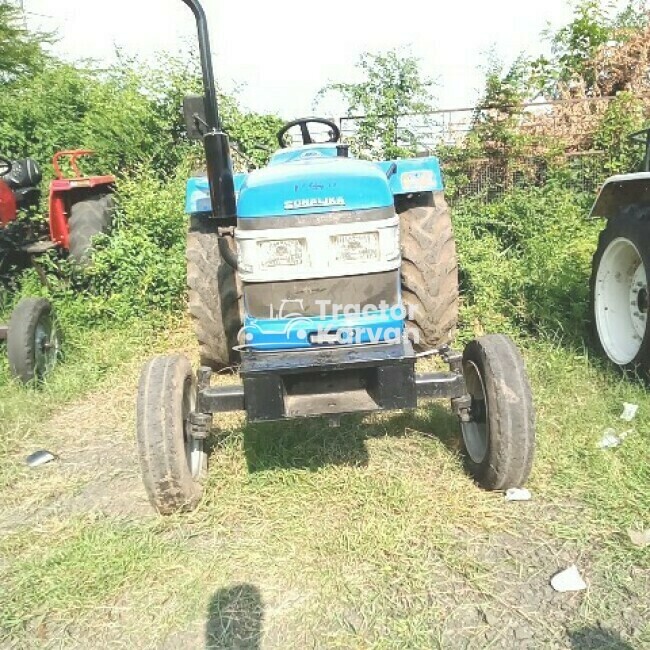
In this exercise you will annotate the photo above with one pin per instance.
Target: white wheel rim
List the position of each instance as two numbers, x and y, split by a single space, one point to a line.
621 301
476 432
193 447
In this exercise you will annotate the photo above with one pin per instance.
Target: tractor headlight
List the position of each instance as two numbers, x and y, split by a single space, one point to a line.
285 252
362 247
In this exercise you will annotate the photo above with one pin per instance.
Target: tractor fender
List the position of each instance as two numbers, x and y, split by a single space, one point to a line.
413 175
620 192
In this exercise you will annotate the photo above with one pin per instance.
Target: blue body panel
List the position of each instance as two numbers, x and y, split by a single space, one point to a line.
306 152
414 175
326 183
293 334
313 186
313 180
197 193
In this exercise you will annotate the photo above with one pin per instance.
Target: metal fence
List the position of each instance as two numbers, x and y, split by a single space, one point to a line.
566 127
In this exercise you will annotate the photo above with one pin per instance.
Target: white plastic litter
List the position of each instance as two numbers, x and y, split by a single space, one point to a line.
610 440
518 494
629 412
640 538
568 580
39 458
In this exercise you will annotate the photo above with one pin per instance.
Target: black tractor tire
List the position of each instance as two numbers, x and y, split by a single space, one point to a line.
89 217
166 396
33 340
619 328
215 297
499 439
429 269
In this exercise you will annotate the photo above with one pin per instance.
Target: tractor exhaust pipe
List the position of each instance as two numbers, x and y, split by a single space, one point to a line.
215 141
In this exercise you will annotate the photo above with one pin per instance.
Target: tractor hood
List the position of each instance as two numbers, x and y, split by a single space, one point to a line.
313 186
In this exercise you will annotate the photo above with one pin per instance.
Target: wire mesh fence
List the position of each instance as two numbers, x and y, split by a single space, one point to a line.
551 135
490 177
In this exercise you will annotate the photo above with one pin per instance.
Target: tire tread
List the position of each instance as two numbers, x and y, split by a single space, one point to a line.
511 413
159 425
429 270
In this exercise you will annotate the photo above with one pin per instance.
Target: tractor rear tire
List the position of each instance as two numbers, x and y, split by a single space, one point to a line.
173 463
429 269
89 217
215 297
620 300
33 340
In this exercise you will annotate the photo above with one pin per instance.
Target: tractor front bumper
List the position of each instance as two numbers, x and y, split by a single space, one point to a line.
330 382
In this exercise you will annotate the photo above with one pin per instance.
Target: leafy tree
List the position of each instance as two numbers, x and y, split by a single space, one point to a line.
624 115
253 135
21 51
634 16
392 87
573 49
495 128
506 91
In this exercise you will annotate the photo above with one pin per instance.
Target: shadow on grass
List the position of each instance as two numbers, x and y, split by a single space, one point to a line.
594 638
235 619
311 444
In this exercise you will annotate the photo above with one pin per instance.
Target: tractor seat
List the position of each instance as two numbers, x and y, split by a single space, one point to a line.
23 180
27 197
25 173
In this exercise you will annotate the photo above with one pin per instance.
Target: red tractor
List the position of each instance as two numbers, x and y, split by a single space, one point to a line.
80 207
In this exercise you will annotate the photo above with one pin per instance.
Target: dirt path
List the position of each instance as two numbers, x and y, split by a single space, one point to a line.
369 536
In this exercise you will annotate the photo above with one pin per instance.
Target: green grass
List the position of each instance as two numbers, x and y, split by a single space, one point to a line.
367 536
370 535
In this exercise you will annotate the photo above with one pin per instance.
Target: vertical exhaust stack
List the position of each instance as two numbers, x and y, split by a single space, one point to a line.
215 141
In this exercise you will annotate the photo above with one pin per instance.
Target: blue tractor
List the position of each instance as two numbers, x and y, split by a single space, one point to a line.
323 278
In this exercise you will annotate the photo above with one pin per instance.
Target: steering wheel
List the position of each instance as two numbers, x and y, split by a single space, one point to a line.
5 166
303 122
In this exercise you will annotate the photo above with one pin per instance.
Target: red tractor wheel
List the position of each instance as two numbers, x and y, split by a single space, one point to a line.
89 217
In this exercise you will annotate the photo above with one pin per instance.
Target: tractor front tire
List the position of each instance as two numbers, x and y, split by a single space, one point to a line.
172 461
429 269
33 340
89 217
499 434
620 297
215 297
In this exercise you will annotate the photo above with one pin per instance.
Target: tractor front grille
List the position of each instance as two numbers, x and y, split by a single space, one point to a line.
322 297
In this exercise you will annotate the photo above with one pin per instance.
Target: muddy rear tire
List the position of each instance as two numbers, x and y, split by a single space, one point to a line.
215 297
89 217
429 268
173 463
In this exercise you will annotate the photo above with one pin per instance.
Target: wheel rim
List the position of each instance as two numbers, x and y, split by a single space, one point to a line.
193 446
621 301
46 346
476 432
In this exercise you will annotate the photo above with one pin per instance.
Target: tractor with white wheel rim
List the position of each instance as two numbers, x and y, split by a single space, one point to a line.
619 281
324 279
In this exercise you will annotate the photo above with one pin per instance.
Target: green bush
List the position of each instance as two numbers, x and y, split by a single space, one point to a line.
525 262
131 116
